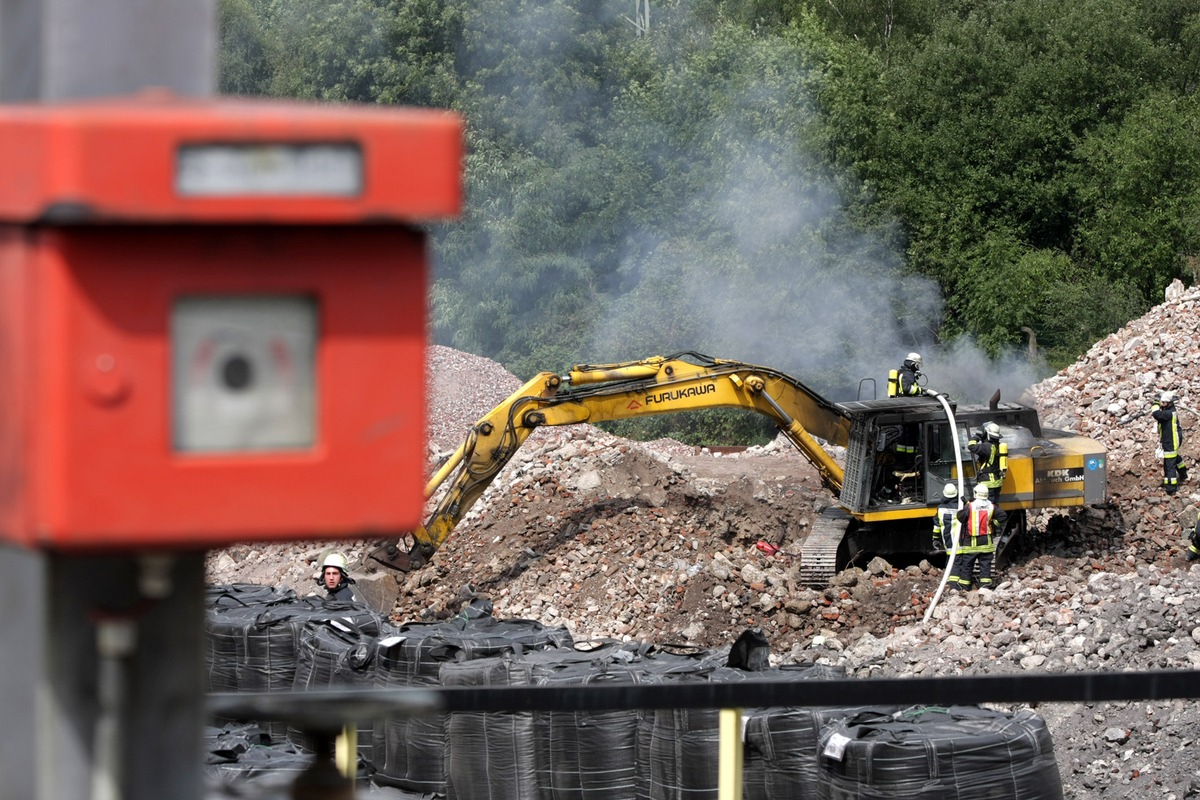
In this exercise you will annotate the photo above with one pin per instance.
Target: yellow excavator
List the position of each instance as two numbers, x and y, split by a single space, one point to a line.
887 494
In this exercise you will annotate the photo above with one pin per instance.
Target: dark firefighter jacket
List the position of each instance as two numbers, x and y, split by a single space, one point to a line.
1170 432
908 382
987 460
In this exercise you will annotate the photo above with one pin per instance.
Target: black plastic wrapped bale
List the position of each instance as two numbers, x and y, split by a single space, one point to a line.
589 755
273 643
227 743
334 654
680 747
225 631
409 752
543 754
781 749
956 753
253 648
241 595
262 766
489 754
677 748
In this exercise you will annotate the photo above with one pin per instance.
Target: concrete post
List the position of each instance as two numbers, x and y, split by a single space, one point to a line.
69 49
99 709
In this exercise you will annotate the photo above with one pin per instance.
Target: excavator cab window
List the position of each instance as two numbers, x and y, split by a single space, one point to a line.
941 462
899 465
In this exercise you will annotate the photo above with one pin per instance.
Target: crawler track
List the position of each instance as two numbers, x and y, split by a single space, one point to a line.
819 553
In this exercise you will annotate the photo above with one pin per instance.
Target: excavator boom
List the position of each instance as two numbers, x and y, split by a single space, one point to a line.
595 393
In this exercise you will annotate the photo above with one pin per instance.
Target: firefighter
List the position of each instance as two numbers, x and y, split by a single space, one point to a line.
1193 551
946 526
977 542
905 382
335 578
991 459
1170 434
907 379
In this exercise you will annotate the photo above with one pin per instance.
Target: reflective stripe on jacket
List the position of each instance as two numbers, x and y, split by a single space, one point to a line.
988 454
908 382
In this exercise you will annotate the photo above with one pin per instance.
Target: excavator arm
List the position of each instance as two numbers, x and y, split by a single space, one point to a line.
595 393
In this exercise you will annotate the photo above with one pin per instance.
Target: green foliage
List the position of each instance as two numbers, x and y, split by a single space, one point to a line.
1012 288
246 50
991 152
808 184
1139 187
1075 313
389 51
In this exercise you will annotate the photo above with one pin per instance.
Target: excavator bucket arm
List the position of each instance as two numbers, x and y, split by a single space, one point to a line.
594 393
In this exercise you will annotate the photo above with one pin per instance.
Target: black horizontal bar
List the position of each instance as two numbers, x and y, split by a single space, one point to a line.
957 690
360 704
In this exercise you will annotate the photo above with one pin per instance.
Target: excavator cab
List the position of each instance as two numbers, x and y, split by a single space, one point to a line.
902 452
892 455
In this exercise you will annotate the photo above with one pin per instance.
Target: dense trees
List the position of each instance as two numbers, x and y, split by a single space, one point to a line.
815 184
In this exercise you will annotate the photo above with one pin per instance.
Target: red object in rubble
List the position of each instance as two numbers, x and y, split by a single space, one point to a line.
767 548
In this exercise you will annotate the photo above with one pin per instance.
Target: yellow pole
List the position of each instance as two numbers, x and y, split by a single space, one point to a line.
346 752
729 778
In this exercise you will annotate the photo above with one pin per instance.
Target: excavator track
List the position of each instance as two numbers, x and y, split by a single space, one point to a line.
818 554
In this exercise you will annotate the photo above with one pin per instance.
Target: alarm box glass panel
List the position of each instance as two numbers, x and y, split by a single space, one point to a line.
243 373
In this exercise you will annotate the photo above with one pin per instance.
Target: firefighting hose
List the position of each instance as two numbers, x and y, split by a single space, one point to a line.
953 528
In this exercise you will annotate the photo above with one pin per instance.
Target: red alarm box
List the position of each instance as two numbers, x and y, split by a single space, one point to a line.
212 319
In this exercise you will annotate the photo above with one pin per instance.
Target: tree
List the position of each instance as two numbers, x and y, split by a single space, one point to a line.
1139 188
244 60
989 116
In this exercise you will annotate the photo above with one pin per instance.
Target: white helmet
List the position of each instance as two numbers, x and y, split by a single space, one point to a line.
335 560
950 491
992 430
981 492
915 358
1167 398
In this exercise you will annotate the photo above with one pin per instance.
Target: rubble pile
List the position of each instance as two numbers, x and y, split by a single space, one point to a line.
658 543
1107 394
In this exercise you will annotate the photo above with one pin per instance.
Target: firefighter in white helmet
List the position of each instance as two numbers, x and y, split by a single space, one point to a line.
977 542
906 382
335 578
908 378
946 526
1170 435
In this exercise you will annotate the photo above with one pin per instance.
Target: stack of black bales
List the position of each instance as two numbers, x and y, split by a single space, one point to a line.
409 752
263 640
